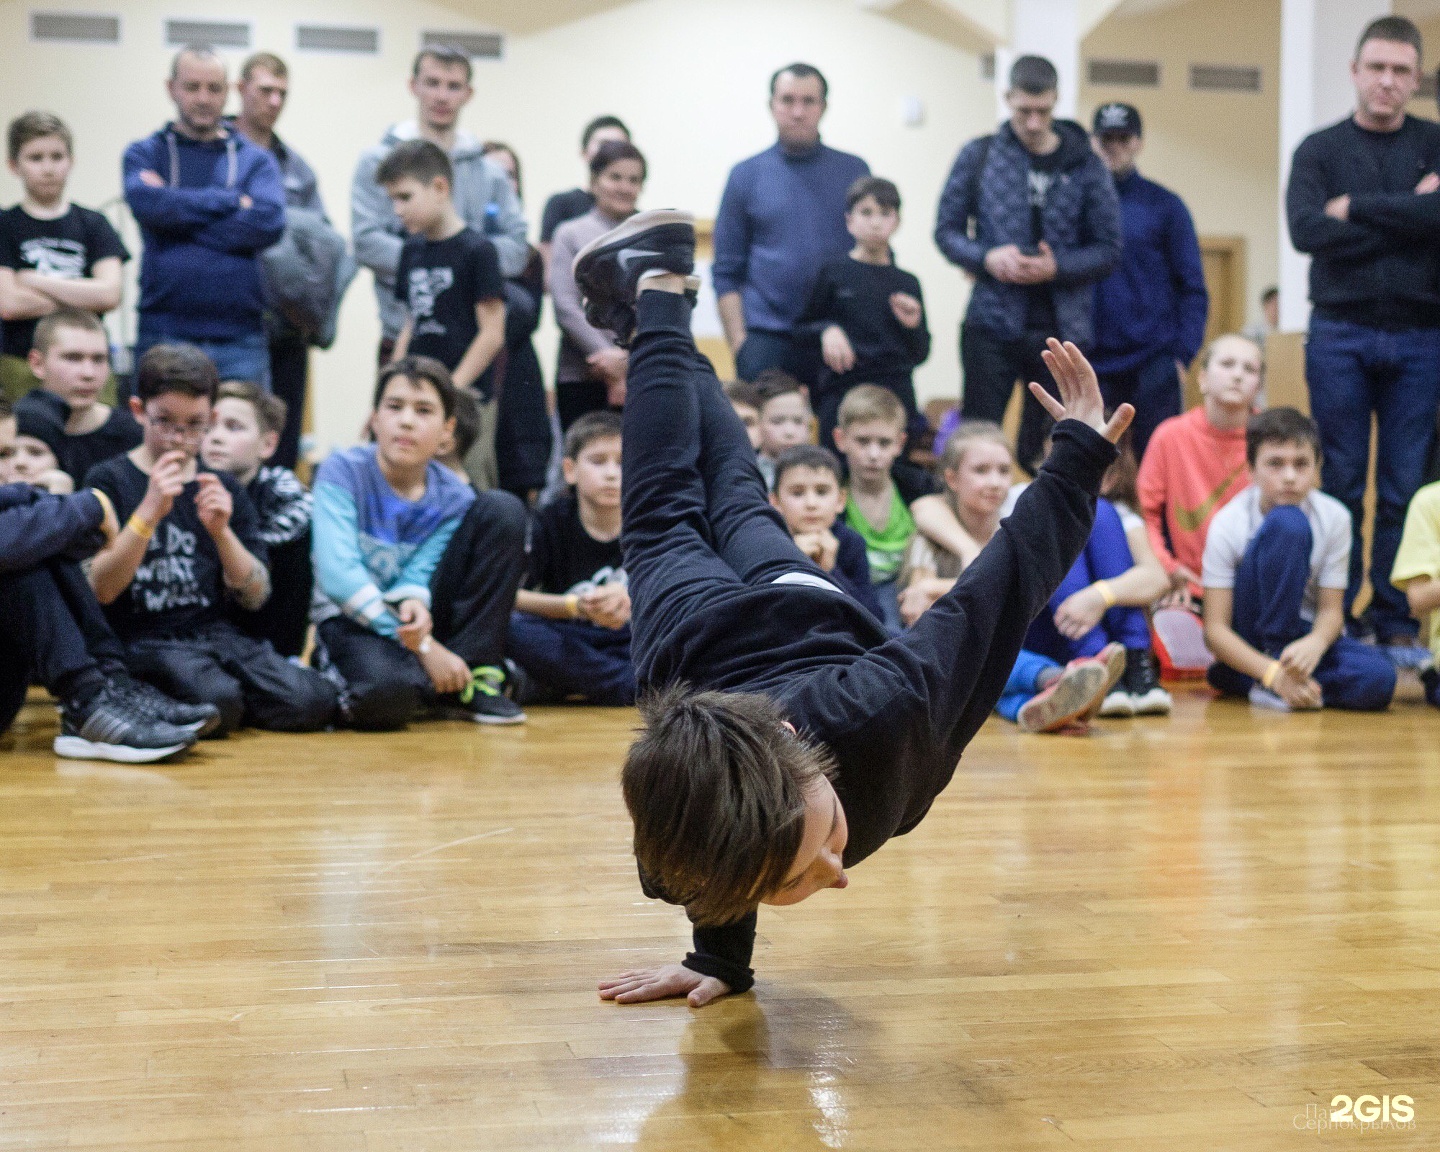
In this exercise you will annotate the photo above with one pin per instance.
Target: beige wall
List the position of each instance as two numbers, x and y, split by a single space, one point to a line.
688 75
1219 151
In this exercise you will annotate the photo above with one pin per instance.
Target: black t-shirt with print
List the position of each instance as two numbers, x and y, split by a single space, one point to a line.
180 585
440 282
563 555
68 247
1040 310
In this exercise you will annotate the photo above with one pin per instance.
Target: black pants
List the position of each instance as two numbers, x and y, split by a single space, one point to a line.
54 631
1154 389
992 365
472 593
289 366
522 425
243 677
698 521
576 398
285 617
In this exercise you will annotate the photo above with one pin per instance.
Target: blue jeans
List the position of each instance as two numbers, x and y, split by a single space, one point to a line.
763 349
1023 685
1353 371
1269 589
1106 555
1153 387
574 657
243 358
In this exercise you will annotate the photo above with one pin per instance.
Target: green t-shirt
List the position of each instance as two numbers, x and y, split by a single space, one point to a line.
885 548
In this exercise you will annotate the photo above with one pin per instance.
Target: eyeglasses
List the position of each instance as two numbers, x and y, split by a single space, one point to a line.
191 430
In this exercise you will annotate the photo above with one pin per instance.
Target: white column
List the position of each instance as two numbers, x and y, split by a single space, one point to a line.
1049 28
1317 42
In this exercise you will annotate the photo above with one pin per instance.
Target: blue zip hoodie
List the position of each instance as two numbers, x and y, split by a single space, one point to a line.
201 268
1155 301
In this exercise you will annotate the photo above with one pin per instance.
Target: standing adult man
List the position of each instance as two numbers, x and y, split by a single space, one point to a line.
1363 203
440 83
263 87
781 217
208 202
1046 229
1150 312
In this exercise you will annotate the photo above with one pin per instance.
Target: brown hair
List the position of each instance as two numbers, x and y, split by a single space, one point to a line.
418 369
179 368
1118 483
1208 352
882 191
270 410
806 456
601 425
30 126
741 392
1280 426
773 383
417 159
78 318
867 402
716 788
266 60
612 152
1395 29
490 147
445 55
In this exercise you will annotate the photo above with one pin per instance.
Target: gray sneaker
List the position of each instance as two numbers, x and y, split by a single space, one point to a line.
112 727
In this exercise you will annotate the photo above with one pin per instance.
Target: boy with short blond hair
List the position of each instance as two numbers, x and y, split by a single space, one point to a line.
1277 561
190 545
70 357
570 632
244 434
784 418
53 254
870 434
450 282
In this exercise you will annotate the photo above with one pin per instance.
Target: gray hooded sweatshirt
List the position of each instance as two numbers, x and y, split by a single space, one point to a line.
483 197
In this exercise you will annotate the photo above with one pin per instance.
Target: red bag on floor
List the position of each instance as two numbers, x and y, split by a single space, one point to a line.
1179 639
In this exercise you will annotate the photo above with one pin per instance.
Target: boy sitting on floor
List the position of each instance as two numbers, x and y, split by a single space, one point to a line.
70 356
190 544
809 492
791 736
55 633
243 436
784 418
1277 561
1416 572
415 573
571 629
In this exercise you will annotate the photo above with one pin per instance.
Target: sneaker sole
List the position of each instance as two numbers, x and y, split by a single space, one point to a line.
637 224
1156 702
1066 700
1117 704
78 748
1111 658
474 718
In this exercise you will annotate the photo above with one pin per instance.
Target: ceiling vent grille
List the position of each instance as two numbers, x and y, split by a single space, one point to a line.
477 45
216 33
74 28
1224 78
322 38
1131 73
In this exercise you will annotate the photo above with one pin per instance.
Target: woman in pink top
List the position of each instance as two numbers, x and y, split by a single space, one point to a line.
1195 464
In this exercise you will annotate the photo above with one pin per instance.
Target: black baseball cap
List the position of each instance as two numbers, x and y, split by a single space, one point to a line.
1117 118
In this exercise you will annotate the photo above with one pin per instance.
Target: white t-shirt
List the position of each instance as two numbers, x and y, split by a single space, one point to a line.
1235 526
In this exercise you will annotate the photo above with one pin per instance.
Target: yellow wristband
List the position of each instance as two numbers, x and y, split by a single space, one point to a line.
140 526
1106 594
1268 679
107 509
572 605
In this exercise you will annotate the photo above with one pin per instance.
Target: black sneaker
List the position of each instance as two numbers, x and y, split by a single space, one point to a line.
199 719
1142 682
608 269
111 727
483 700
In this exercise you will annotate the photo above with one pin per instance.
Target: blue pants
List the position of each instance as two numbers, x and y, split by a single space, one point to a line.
1023 684
574 657
1353 371
1269 588
1106 555
1153 387
763 349
243 358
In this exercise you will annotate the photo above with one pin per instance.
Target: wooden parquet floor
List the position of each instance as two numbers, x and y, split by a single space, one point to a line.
1183 934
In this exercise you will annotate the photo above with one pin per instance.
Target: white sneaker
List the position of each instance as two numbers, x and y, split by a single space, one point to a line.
1156 702
1118 703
